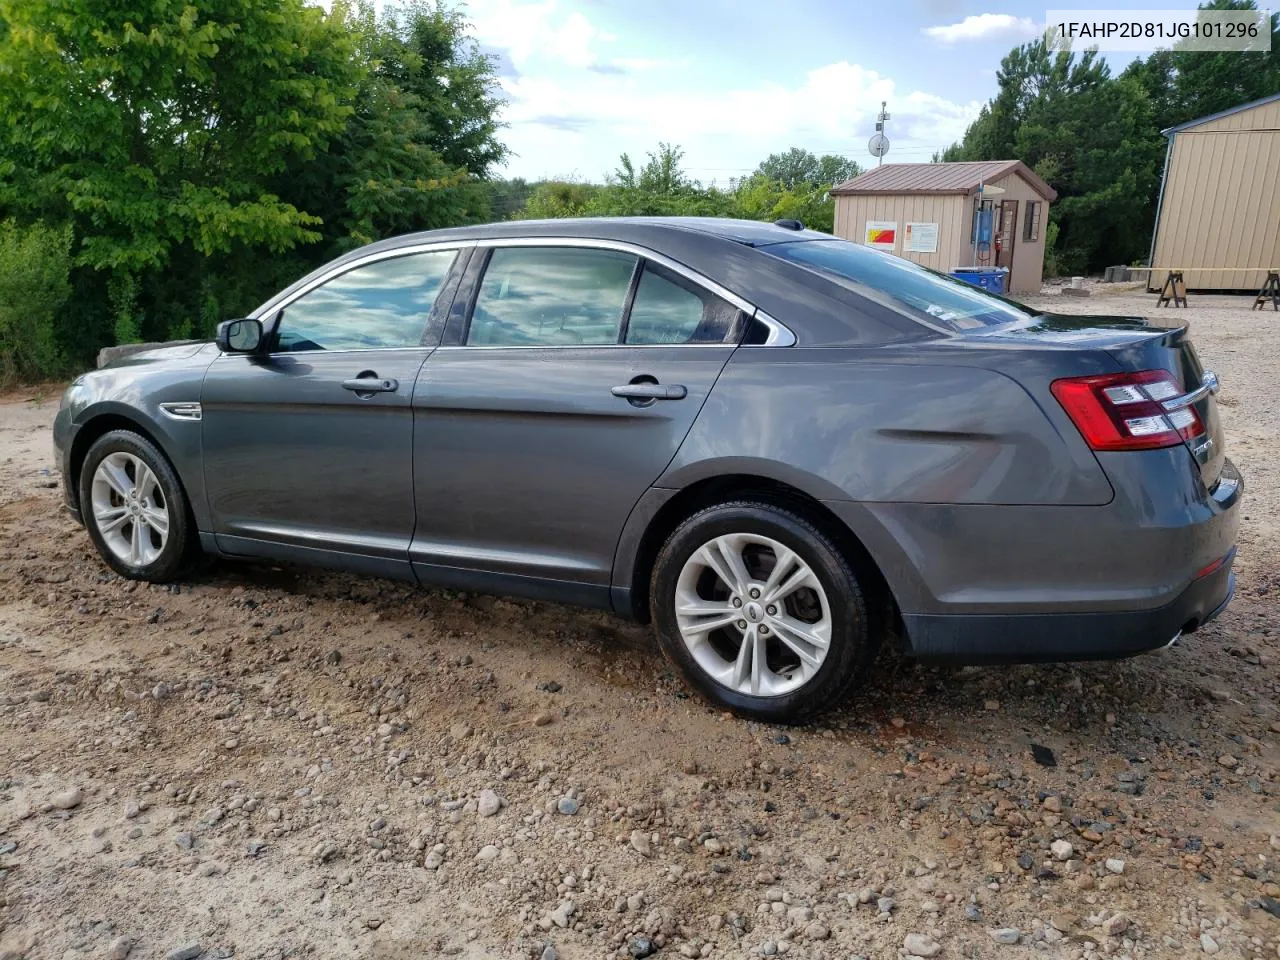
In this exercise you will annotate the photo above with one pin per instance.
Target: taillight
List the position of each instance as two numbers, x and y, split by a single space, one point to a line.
1127 411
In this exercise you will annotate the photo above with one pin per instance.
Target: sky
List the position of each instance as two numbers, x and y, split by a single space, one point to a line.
731 81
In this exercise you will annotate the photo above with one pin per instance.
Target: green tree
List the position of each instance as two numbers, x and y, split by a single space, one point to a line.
423 135
799 167
157 129
35 267
1184 85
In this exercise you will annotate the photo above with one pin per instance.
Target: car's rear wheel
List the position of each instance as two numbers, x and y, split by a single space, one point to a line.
134 508
760 611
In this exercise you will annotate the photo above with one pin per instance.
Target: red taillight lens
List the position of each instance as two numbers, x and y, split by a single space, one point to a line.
1125 411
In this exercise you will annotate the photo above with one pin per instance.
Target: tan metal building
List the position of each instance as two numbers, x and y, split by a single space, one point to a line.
930 213
1220 199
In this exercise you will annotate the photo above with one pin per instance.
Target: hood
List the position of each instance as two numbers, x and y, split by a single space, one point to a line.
132 354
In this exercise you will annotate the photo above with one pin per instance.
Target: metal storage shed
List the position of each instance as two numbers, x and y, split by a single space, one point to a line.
931 213
1220 199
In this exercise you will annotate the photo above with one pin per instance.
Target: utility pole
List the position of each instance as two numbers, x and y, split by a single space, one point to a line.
878 146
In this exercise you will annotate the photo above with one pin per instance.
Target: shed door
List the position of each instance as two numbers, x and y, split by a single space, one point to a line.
1008 233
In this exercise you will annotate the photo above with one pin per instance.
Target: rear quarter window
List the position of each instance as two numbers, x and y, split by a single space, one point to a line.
907 287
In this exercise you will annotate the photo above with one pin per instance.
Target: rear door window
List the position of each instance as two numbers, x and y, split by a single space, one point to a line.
551 296
669 309
908 287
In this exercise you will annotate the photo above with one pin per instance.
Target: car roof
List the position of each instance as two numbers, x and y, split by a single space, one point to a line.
751 233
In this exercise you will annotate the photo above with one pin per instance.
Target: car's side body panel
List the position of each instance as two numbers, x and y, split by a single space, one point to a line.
136 389
887 426
292 457
525 464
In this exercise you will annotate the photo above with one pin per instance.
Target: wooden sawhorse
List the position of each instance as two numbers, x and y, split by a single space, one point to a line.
1270 291
1174 290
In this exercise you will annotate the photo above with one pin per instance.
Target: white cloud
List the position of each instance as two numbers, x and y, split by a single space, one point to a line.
571 110
985 26
540 30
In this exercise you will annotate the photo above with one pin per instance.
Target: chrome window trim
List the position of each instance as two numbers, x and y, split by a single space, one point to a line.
779 334
273 306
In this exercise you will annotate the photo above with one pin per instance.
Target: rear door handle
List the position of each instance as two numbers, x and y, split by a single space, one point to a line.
651 391
370 385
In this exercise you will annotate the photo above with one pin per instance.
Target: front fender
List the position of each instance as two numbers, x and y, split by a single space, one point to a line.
130 397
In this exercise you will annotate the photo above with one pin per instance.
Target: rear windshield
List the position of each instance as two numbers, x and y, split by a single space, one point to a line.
903 285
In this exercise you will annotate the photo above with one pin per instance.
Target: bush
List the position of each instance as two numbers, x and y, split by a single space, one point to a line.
35 269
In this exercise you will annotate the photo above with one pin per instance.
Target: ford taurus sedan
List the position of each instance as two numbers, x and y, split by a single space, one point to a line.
779 447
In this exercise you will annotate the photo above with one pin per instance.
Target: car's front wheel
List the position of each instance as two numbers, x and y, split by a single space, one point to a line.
134 508
760 611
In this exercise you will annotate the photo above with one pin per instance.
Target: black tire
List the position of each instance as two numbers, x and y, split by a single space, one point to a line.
852 645
174 553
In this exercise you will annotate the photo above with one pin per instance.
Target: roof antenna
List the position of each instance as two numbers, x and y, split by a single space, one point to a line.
789 224
878 145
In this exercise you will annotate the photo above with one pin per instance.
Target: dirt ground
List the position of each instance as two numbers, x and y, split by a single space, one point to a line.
286 763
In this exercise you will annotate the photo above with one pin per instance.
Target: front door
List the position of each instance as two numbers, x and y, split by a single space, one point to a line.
569 390
308 449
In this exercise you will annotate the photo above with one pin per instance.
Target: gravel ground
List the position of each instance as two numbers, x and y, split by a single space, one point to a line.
271 763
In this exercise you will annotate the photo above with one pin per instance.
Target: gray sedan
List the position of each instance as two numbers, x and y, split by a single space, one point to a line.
779 447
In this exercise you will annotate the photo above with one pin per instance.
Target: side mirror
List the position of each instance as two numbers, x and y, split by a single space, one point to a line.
239 336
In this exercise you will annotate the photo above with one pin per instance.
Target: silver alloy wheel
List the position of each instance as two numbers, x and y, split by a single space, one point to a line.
753 615
129 508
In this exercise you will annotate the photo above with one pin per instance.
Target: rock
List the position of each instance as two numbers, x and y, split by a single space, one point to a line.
817 931
433 859
1006 935
119 948
1226 760
769 949
184 840
972 913
543 718
1064 923
991 705
885 905
1062 850
561 914
640 843
640 947
188 951
1114 866
210 868
567 805
68 799
1208 944
1053 803
919 945
1115 925
489 803
548 952
489 852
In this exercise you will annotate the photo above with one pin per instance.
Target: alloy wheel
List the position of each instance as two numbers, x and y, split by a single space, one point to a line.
753 614
129 508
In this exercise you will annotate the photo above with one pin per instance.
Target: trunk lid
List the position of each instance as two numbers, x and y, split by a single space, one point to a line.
1138 343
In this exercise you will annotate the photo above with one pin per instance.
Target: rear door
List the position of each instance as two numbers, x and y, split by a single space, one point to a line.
561 393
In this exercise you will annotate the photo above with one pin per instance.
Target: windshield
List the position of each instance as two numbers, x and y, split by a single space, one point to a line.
925 295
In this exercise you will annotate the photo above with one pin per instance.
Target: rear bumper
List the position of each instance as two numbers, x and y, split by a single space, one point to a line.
1031 638
1014 583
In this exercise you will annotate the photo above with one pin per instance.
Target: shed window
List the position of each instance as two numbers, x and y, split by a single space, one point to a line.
1032 229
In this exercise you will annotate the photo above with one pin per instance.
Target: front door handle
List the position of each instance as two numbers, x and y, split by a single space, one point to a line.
370 385
651 391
